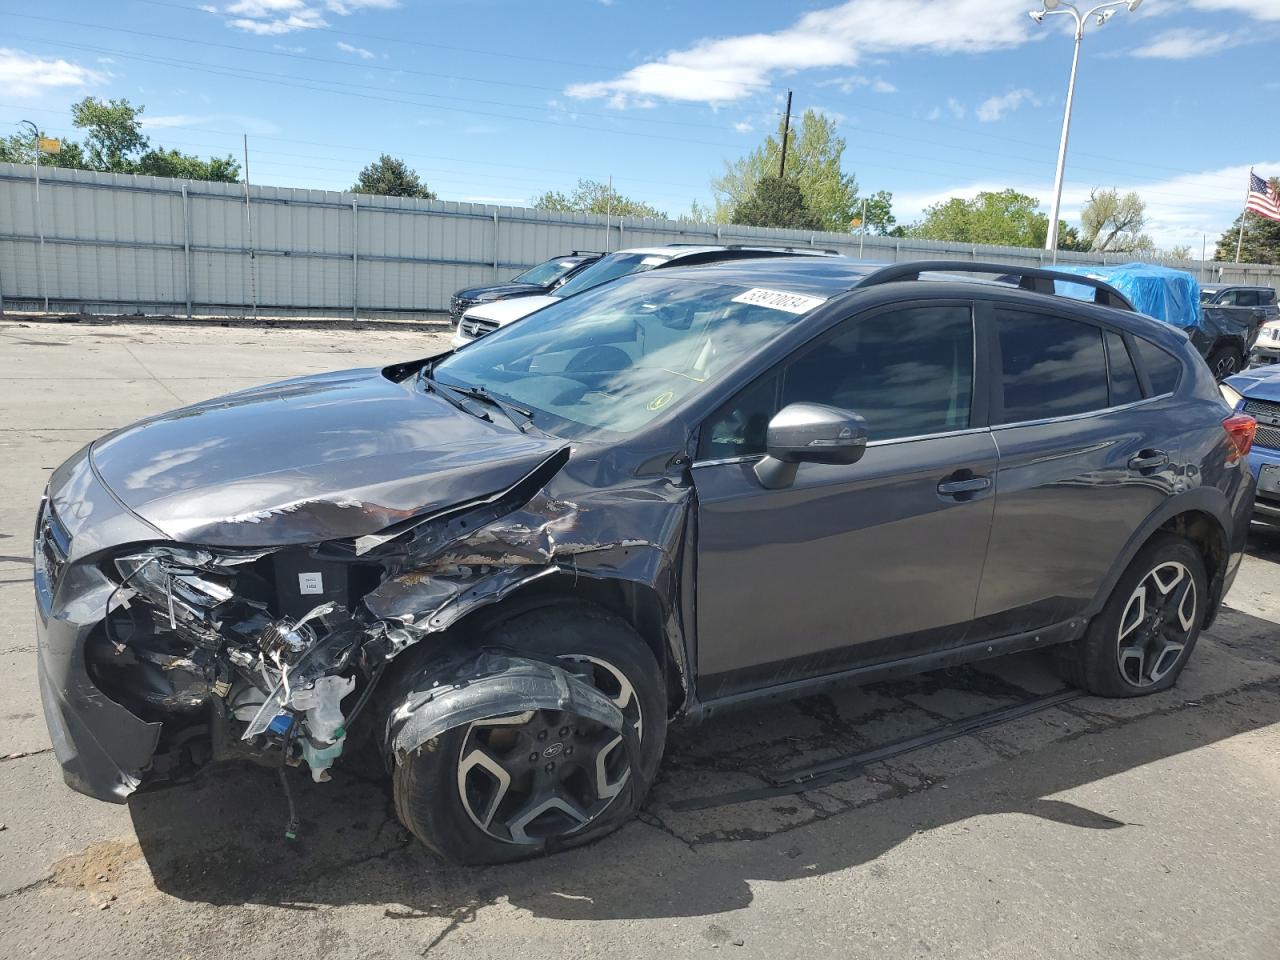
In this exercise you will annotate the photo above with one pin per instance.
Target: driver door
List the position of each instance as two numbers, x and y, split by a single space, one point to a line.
854 564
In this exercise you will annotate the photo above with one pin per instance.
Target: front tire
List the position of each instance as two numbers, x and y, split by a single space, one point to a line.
1144 636
517 785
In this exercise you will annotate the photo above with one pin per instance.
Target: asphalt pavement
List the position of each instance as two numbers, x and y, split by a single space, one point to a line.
1135 829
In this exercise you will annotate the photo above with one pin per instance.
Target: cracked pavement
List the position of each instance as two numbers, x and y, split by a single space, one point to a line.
1095 828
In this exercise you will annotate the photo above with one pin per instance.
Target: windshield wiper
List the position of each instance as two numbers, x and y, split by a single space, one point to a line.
449 394
510 410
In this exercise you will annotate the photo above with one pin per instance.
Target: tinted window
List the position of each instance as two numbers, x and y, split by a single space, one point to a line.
1124 379
1162 367
1228 299
1267 297
1052 367
908 372
546 273
738 428
1246 298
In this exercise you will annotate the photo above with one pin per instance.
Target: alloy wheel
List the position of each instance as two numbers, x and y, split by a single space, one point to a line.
1156 624
531 776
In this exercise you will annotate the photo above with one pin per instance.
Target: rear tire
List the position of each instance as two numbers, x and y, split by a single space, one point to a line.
1226 361
1141 640
449 794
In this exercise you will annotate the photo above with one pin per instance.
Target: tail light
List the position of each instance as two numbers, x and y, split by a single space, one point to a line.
1240 429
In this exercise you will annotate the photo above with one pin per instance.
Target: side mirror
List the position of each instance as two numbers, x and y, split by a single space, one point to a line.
809 433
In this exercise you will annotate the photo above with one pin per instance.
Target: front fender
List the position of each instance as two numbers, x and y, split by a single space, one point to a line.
489 684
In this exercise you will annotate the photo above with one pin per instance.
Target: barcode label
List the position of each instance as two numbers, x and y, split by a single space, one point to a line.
780 300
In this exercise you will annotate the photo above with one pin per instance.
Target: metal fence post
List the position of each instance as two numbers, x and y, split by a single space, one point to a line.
40 281
495 246
355 261
186 248
620 243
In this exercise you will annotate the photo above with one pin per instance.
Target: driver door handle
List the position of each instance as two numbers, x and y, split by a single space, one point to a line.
949 488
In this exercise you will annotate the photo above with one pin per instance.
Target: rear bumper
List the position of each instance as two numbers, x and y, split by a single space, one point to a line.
1265 352
1266 505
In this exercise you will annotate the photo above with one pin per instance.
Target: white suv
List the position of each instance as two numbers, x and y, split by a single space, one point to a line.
487 317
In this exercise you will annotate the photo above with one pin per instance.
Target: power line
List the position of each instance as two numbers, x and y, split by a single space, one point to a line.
334 61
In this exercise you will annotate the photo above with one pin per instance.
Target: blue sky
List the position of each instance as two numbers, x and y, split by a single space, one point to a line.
496 101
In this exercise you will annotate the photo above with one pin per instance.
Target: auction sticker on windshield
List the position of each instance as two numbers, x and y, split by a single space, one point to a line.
779 300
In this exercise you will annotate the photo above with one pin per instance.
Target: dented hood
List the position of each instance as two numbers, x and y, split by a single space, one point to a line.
316 458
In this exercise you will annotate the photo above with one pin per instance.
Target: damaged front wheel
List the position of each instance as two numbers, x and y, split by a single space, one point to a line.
513 785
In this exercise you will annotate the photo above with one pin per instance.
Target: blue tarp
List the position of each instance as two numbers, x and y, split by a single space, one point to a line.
1169 295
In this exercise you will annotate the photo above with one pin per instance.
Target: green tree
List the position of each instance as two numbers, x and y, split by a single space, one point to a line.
114 143
391 177
1069 237
1261 238
776 202
1111 223
592 196
879 213
1005 218
173 163
114 139
814 153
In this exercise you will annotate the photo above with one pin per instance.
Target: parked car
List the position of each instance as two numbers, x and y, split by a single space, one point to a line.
535 281
1253 309
1257 393
504 570
1221 329
486 318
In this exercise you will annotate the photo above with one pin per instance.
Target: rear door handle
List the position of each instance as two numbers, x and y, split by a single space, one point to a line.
1149 460
949 488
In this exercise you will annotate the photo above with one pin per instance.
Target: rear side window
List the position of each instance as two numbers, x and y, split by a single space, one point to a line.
1162 367
1246 298
1124 379
1051 366
1267 297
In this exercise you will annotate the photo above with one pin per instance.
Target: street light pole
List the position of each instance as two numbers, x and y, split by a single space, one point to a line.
35 166
1102 13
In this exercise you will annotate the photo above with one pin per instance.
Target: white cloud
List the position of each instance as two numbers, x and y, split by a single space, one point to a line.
956 107
993 108
855 81
360 52
1180 209
24 74
274 17
1185 43
730 68
1258 9
743 126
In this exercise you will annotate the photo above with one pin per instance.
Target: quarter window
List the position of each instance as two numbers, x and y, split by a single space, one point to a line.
1124 379
1051 366
1161 366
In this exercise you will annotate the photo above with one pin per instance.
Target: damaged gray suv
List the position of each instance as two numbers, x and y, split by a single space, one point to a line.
501 572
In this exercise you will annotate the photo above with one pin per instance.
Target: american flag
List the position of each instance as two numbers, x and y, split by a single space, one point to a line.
1264 200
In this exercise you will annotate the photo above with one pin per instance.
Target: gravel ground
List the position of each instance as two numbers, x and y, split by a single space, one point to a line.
1143 828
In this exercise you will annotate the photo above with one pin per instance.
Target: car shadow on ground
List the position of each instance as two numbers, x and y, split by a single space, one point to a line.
220 840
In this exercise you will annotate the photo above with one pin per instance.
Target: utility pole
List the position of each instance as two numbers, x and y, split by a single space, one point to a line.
786 131
248 221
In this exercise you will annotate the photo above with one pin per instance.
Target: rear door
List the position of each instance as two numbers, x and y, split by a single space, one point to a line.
851 564
1084 460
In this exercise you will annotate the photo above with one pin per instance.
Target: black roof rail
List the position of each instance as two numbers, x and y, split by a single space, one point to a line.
782 246
585 253
1035 279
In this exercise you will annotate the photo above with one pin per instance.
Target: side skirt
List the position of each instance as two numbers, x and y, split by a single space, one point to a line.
1031 640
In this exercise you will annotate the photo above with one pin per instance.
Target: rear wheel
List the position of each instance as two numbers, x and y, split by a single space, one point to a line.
1144 635
1226 361
515 785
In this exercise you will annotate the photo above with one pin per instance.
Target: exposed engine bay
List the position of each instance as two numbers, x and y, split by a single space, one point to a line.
272 654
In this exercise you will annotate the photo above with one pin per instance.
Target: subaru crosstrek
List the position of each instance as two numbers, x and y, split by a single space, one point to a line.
503 571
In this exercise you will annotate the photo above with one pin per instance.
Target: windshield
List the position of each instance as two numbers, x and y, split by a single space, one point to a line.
616 357
545 274
609 268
